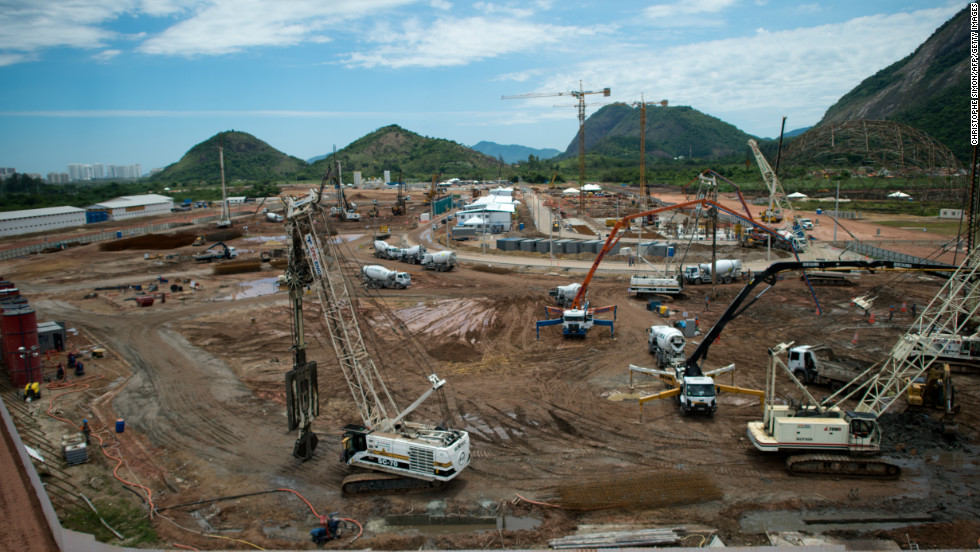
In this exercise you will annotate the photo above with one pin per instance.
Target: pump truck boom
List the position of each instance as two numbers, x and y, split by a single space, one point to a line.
401 455
576 317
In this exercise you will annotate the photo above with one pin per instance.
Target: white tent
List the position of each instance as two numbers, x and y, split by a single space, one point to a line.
570 191
591 188
899 195
796 195
473 221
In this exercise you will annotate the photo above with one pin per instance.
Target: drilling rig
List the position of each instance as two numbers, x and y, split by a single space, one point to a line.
398 455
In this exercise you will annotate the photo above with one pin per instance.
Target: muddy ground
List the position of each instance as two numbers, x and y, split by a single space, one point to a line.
198 380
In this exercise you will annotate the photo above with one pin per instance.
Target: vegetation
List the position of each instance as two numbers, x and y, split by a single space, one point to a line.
126 518
246 159
408 156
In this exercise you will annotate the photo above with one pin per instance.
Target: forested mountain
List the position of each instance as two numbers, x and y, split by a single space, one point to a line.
246 159
513 153
671 132
404 152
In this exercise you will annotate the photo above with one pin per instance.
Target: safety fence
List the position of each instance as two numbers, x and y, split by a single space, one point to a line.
882 254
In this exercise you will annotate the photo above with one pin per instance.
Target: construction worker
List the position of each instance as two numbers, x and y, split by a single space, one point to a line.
32 392
86 431
707 302
891 312
79 369
61 372
913 310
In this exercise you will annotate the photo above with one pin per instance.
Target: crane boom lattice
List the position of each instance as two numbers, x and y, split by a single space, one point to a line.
950 316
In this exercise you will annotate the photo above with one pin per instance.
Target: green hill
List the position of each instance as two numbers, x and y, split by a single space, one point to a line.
671 132
928 90
415 157
246 159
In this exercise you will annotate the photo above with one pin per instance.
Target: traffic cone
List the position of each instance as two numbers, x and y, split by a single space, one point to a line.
855 340
872 319
903 306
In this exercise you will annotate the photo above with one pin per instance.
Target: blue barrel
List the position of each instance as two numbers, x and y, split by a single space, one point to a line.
520 226
120 425
819 210
119 233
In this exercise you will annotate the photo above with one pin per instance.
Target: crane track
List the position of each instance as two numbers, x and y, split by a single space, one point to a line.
842 466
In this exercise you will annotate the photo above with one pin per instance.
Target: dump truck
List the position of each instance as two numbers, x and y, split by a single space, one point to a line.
377 276
821 365
442 261
667 343
728 270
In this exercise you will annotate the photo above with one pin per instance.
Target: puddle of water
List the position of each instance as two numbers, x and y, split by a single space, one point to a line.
456 525
255 288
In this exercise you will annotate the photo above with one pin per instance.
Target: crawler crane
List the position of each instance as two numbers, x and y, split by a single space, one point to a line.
825 426
402 456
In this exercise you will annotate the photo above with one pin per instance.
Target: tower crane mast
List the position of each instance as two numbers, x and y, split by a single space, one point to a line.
580 95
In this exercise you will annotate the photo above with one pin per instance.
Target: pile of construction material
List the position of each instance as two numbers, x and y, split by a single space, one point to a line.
644 490
624 539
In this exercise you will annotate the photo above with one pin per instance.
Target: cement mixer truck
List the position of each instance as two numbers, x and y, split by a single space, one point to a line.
667 343
729 270
441 260
377 276
381 249
413 255
564 295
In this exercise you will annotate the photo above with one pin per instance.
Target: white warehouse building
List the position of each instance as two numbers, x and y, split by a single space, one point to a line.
13 223
496 210
125 207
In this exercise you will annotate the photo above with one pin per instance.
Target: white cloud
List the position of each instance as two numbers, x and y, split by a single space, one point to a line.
798 73
684 8
31 25
451 42
106 55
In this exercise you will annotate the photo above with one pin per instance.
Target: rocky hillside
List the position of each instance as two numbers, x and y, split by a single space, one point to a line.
246 159
928 90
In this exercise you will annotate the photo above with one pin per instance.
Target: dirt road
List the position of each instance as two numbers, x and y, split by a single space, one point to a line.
203 401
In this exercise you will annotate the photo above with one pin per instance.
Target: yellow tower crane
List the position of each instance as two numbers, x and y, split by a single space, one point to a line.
643 146
580 95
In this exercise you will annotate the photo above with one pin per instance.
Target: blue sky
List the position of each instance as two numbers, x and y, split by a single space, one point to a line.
142 81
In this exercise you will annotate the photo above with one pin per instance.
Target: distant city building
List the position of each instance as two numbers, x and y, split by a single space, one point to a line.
6 172
101 171
58 178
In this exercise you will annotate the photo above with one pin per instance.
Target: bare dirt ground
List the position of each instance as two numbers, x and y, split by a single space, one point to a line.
198 380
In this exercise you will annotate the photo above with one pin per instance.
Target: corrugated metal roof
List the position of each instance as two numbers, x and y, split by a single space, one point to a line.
45 212
132 201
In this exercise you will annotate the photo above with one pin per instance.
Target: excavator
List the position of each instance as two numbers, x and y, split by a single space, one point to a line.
392 453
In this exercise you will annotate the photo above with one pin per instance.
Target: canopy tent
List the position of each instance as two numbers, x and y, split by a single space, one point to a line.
591 188
570 191
797 195
899 195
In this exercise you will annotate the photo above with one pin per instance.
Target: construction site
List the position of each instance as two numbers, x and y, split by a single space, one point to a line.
259 396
